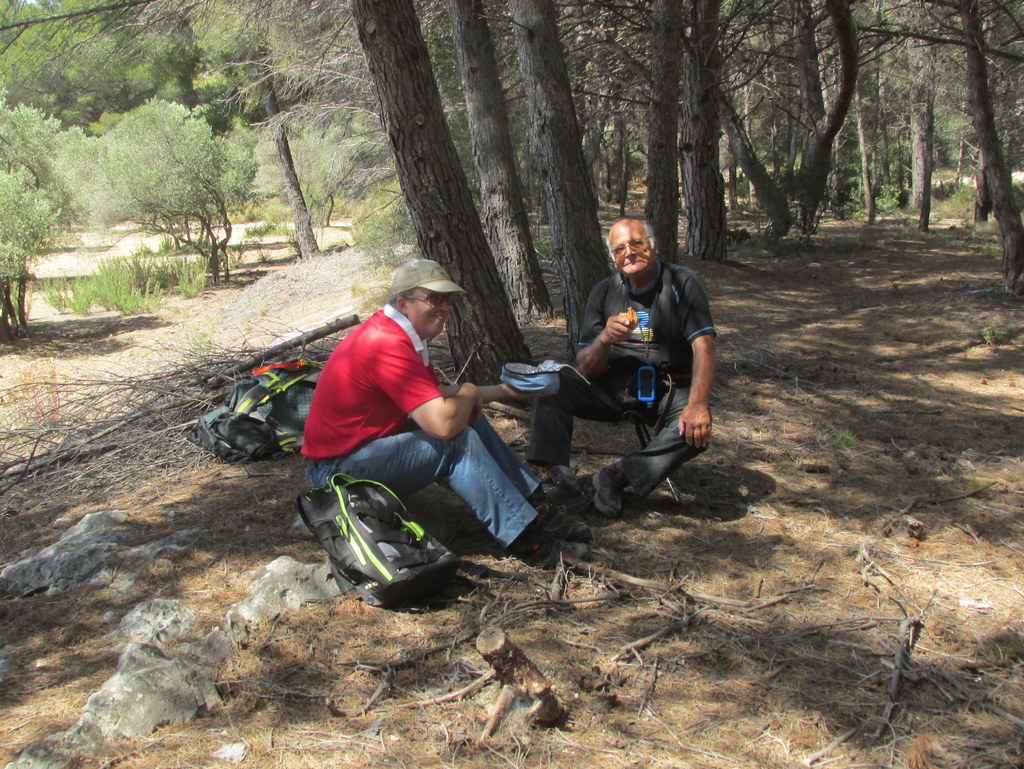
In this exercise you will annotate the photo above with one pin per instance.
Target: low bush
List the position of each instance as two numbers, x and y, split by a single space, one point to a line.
131 285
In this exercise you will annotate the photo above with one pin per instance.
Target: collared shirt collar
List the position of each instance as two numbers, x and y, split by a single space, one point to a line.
418 344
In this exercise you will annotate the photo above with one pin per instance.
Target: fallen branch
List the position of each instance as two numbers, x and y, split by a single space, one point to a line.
274 350
667 587
964 495
910 630
498 710
465 691
814 758
633 647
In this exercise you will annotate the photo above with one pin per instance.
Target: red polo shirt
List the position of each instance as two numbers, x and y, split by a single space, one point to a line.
371 382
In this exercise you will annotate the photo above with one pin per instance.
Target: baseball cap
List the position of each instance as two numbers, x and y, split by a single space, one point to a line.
424 273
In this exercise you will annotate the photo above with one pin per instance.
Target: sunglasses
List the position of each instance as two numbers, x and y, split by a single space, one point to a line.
436 300
636 244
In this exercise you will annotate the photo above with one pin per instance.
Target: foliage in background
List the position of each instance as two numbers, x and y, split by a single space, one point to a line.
386 233
35 206
166 170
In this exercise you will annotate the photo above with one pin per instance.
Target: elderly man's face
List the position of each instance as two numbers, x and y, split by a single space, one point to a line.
631 250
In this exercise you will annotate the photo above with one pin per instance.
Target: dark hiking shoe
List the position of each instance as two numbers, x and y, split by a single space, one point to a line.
608 487
534 546
561 488
563 527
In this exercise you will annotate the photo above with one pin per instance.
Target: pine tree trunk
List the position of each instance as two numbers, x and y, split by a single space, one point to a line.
580 253
865 164
436 191
304 236
501 195
816 160
662 210
699 101
922 131
996 173
765 192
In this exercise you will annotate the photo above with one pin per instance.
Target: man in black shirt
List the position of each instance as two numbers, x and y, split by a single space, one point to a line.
647 348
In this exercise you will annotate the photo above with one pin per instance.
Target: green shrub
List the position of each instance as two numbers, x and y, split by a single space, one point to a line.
386 234
993 335
992 249
131 285
56 292
269 227
80 299
843 439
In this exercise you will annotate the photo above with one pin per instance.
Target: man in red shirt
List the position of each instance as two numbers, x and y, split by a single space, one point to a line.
380 412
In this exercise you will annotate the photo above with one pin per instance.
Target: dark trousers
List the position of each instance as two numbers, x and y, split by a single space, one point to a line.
611 397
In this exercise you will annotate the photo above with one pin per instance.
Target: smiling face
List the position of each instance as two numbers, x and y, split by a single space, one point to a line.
427 310
631 248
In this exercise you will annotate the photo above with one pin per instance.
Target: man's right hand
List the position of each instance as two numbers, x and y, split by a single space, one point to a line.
617 329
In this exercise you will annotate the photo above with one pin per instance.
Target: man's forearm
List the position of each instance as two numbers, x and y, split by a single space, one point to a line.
593 359
703 374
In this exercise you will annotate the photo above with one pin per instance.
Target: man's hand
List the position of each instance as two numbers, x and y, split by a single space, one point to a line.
695 424
617 328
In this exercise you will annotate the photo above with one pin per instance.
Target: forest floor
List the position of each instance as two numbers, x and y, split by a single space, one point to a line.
840 578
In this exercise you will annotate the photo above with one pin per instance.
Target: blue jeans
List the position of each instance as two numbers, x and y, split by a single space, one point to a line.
476 464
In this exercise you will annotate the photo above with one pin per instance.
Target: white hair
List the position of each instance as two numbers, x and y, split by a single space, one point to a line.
648 233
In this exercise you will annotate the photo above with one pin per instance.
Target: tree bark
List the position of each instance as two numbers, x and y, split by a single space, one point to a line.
767 194
922 131
997 175
580 254
514 668
622 151
662 211
501 194
304 236
867 183
698 147
436 191
817 153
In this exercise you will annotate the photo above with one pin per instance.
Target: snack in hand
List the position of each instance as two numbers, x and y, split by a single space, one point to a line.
630 317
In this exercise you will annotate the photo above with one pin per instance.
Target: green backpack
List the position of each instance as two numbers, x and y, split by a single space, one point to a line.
374 547
263 416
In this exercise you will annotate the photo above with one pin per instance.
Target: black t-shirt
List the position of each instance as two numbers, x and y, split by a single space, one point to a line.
687 305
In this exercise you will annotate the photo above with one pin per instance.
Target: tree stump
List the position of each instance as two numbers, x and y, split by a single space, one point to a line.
518 671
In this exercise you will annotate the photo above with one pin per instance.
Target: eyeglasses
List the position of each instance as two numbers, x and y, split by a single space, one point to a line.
434 299
636 244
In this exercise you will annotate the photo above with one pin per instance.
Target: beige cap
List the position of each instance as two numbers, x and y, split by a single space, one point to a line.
425 274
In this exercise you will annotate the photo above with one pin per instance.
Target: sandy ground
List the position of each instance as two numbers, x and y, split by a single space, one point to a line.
837 584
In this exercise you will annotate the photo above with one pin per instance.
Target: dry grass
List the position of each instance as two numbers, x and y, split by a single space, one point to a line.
844 564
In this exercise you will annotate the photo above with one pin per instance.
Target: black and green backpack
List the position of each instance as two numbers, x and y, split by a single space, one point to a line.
263 416
373 547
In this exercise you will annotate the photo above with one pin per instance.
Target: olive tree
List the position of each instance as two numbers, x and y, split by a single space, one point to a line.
35 206
167 171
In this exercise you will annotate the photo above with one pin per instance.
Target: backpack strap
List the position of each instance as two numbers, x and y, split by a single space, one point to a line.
661 313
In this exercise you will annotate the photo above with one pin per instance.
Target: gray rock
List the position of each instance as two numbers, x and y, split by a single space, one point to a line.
150 688
158 621
99 550
282 584
6 663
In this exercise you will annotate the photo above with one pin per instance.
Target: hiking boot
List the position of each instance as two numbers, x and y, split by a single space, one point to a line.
562 527
534 546
561 488
608 487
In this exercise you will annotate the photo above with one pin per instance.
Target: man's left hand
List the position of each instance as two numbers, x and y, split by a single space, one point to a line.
695 424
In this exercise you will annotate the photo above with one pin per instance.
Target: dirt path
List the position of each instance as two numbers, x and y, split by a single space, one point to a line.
864 493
